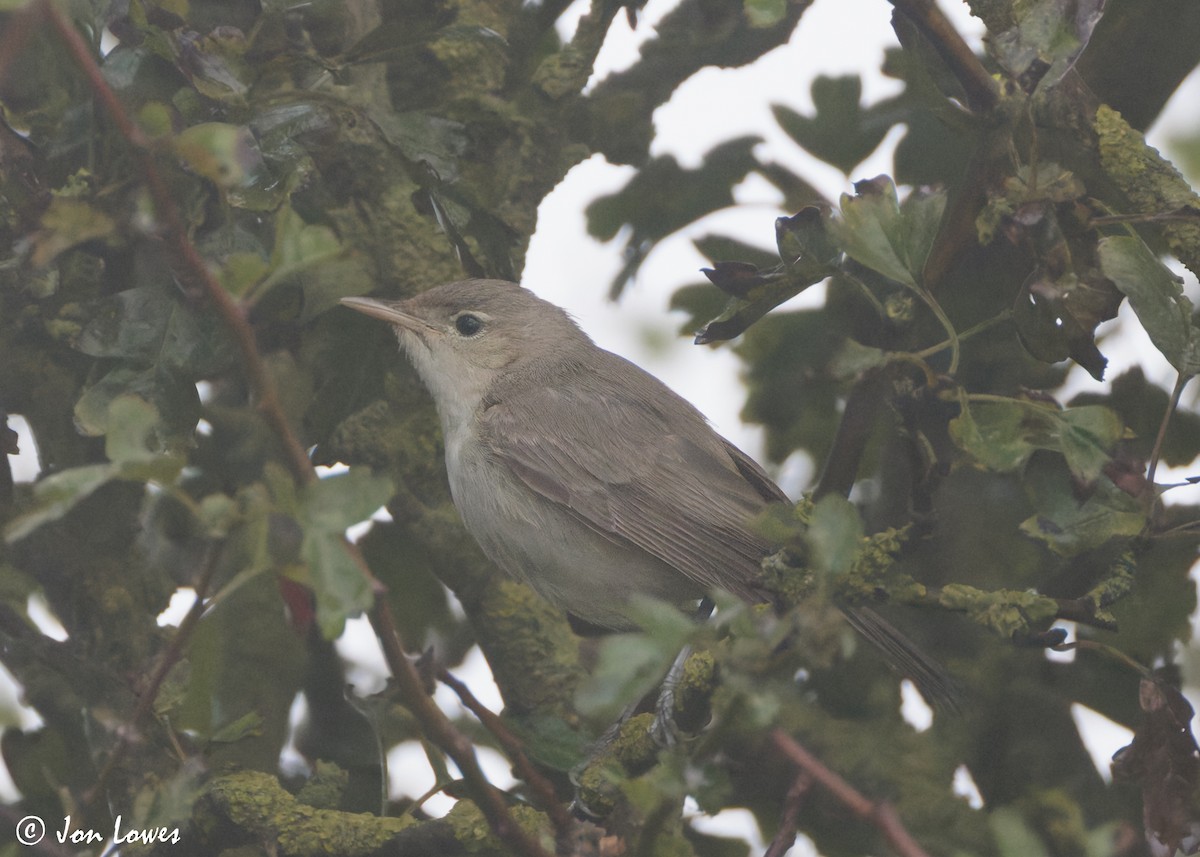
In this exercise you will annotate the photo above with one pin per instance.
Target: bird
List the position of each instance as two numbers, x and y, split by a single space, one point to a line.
583 475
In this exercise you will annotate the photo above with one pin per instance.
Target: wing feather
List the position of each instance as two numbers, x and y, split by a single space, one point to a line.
637 464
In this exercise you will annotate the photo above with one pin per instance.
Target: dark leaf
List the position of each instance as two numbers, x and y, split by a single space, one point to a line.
1046 41
150 327
664 197
841 133
1157 297
1165 761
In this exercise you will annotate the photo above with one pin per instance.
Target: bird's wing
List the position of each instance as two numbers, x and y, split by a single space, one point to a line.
644 469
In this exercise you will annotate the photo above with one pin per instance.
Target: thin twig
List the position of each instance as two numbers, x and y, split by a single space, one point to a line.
785 837
880 814
563 823
441 731
1180 382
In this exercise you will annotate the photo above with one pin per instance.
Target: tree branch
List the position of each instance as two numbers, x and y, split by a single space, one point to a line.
882 814
981 92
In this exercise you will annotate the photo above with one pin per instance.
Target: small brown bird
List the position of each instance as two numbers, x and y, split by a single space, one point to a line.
578 472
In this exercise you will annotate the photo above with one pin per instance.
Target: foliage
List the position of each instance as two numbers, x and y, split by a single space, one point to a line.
185 207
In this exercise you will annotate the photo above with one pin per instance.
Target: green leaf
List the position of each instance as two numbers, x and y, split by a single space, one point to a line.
335 503
225 154
66 223
299 244
875 230
1001 435
249 725
150 327
630 666
339 584
1157 297
134 455
835 533
765 13
56 495
130 437
327 508
177 403
854 358
1086 436
991 434
1069 527
1048 37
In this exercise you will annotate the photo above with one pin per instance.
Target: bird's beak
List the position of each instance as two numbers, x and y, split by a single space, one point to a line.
388 311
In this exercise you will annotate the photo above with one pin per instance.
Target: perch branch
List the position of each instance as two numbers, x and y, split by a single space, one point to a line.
882 814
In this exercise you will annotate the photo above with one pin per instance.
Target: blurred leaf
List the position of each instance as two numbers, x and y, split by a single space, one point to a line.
419 600
130 437
790 393
227 155
1013 836
854 358
1165 761
177 403
892 239
327 508
841 133
249 725
835 533
134 455
1157 297
67 223
722 248
765 13
630 666
1001 435
56 495
663 197
1141 406
1069 528
148 326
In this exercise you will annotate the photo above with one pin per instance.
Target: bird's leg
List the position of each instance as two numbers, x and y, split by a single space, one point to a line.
664 730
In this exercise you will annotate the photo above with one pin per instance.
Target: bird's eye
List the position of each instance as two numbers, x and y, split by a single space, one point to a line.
468 325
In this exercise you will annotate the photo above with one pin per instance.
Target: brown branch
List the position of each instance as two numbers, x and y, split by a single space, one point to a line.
785 837
980 89
863 407
563 823
882 815
175 233
441 731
